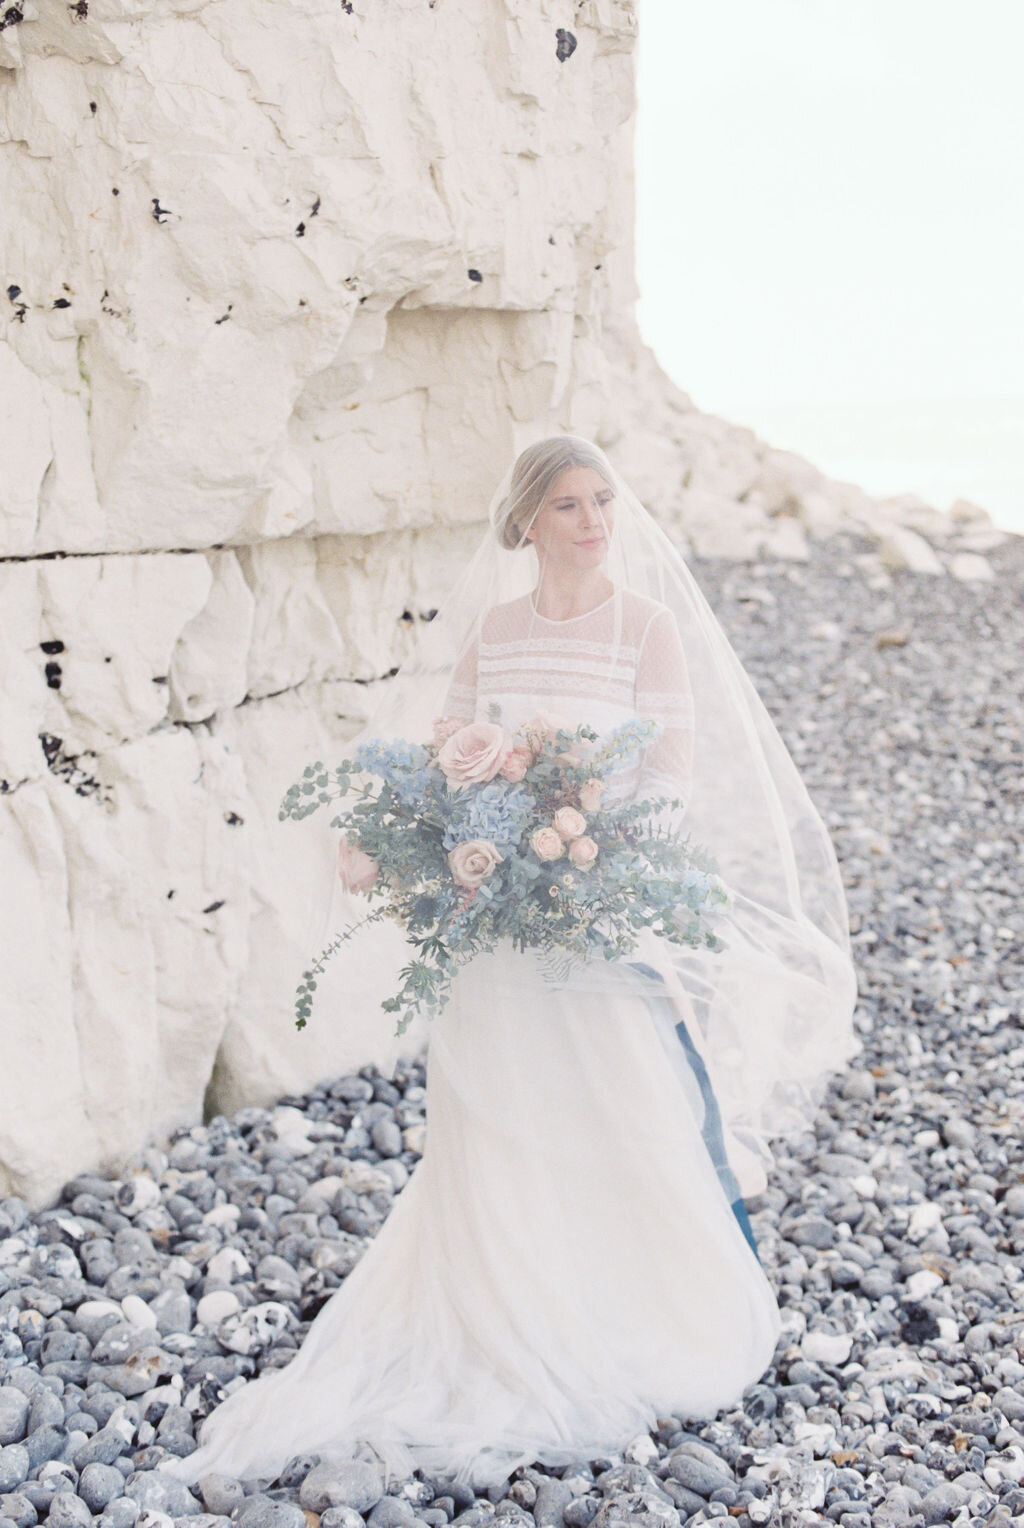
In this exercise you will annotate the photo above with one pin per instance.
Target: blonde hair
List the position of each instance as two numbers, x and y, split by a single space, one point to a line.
536 469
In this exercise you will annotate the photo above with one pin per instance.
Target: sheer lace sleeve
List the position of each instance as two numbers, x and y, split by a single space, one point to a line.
663 695
460 701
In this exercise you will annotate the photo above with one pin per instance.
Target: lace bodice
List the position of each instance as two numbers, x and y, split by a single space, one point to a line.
621 660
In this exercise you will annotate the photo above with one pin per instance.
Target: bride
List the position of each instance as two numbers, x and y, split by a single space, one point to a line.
571 1259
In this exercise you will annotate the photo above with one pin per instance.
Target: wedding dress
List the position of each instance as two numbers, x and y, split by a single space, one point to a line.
570 1260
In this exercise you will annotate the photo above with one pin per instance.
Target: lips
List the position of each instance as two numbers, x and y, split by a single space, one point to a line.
592 541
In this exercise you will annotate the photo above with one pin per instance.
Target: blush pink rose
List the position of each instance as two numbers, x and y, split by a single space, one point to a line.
473 755
540 729
582 853
546 844
357 871
517 762
568 823
590 795
472 862
544 723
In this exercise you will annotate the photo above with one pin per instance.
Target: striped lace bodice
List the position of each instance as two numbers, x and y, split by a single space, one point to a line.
619 661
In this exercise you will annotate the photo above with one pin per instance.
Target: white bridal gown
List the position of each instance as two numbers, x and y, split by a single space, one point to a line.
564 1266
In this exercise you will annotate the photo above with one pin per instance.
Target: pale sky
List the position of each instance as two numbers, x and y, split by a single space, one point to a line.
831 213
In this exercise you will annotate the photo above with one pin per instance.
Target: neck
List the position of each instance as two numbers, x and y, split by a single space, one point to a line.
563 593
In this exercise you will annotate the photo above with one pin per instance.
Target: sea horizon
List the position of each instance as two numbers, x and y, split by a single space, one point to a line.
941 449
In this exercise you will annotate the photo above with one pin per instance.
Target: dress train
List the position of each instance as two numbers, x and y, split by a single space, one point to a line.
563 1268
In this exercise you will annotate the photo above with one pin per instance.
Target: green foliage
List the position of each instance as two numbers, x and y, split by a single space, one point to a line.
401 812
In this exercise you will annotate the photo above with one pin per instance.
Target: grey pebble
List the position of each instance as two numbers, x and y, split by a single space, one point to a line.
697 1475
99 1484
581 1511
353 1484
43 1444
17 1509
635 1511
553 1496
262 1512
122 1512
69 1511
340 1517
685 1500
1010 1402
102 1448
155 1492
14 1410
391 1512
15 1465
221 1493
387 1138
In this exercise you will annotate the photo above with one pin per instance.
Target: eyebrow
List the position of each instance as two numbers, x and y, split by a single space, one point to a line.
572 498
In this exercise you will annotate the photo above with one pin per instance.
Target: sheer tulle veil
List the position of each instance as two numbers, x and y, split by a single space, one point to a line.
772 1012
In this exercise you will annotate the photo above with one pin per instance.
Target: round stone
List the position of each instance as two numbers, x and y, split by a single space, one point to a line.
15 1464
263 1512
391 1512
217 1306
14 1409
698 1476
942 1502
221 1493
341 1517
17 1511
99 1484
68 1511
122 1512
350 1484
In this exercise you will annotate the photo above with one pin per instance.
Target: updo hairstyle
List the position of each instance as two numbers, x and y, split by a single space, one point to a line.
536 469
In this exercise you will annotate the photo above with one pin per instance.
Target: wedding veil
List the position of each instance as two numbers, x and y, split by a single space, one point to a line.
771 1013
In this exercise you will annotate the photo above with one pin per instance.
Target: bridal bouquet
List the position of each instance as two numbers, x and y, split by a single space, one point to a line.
480 835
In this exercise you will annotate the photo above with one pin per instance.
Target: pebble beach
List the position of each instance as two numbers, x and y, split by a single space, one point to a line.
892 1229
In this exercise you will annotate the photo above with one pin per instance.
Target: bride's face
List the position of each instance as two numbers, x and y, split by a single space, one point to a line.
573 526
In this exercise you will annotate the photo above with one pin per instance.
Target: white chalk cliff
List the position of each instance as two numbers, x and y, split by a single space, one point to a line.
285 282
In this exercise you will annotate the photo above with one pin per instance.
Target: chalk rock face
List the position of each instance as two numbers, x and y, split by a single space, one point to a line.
723 492
286 283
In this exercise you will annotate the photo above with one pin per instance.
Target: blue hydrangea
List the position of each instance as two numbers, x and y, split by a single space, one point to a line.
412 789
498 812
391 760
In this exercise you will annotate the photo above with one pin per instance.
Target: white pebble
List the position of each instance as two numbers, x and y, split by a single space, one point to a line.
827 1347
642 1450
227 1265
326 1188
143 1194
137 1313
222 1215
217 1306
923 1283
364 1178
1007 1465
923 1218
